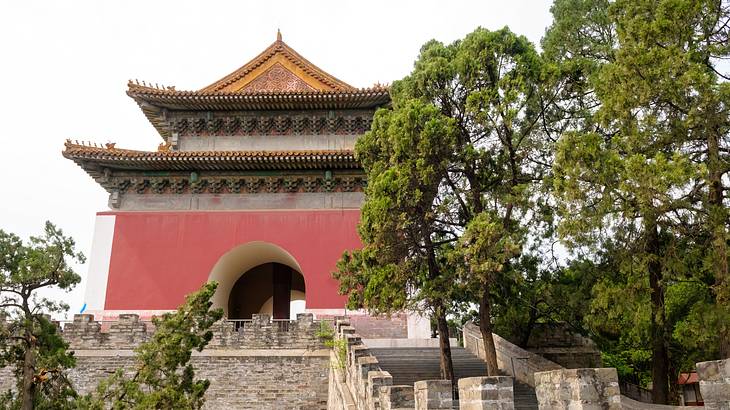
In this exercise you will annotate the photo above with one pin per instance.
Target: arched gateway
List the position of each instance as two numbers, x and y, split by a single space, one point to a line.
258 277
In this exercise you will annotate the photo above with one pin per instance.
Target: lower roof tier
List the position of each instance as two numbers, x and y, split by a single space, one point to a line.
93 158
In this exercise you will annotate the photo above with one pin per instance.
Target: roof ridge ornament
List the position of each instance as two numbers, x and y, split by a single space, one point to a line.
278 36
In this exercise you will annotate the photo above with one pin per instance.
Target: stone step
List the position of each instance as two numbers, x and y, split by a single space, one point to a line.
410 364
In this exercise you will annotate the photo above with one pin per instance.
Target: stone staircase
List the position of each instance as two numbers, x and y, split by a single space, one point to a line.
408 365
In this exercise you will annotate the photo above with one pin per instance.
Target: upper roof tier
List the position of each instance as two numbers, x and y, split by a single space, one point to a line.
277 79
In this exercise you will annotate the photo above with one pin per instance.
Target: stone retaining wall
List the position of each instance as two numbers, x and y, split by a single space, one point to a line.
271 379
560 344
264 365
263 379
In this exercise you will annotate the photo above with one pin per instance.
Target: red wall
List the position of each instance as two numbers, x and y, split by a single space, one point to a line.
159 257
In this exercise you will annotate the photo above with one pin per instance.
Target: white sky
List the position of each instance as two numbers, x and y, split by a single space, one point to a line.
64 66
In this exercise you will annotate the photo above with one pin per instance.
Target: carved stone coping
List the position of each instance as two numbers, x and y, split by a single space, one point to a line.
260 332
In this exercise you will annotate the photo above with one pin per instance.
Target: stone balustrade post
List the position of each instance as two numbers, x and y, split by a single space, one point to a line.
355 349
397 398
432 394
339 323
375 380
128 331
577 389
84 332
305 320
365 364
261 320
346 330
483 393
224 334
715 383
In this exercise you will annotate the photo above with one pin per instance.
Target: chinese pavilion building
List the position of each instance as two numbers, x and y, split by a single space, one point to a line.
254 185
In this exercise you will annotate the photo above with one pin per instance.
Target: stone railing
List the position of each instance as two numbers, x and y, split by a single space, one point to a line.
359 375
578 389
715 383
511 359
590 388
84 333
357 382
628 403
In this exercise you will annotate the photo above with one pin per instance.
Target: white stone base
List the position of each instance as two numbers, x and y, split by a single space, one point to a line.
397 343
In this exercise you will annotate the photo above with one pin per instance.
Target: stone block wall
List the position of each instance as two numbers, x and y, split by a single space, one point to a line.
577 389
587 388
558 343
264 365
238 380
86 333
715 383
380 327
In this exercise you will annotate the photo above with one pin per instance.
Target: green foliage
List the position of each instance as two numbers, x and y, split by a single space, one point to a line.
639 175
405 156
164 377
631 364
326 333
453 171
29 342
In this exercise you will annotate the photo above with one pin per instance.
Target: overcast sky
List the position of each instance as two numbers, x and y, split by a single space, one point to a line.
64 67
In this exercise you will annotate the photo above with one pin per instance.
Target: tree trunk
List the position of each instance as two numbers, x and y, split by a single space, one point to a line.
718 220
485 326
447 365
527 331
28 372
660 356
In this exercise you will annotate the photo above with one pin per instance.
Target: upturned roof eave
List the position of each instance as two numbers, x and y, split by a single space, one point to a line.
198 100
153 102
93 158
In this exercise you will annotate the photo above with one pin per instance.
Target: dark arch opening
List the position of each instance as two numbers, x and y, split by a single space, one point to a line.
267 288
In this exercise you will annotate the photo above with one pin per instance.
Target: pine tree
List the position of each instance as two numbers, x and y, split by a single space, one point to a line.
641 167
163 377
30 342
